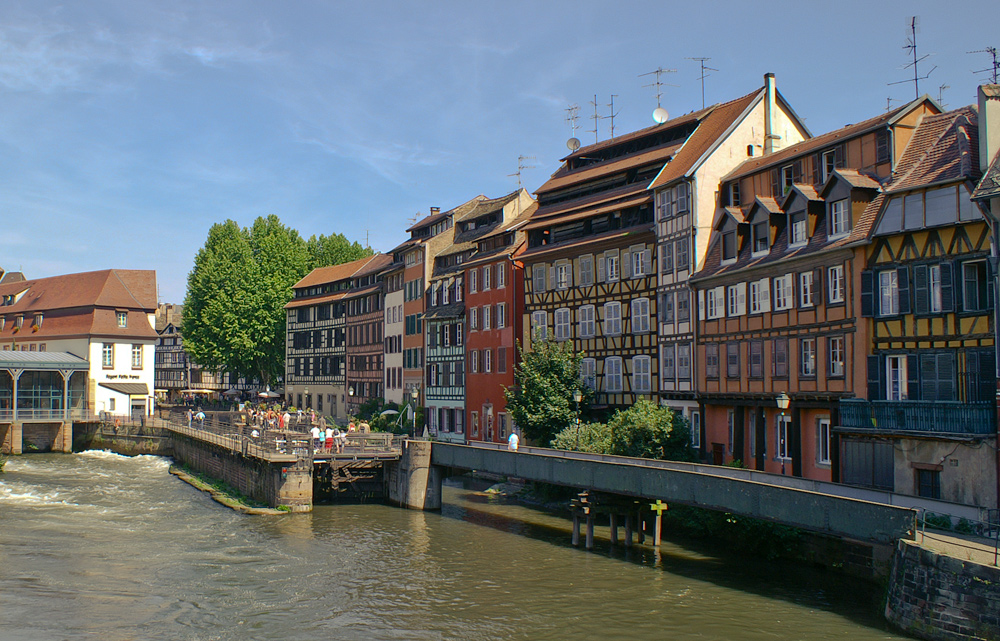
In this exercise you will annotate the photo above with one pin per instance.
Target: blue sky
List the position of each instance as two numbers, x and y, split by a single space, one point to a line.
128 128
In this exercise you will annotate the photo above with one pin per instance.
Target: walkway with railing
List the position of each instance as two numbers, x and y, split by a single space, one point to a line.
950 417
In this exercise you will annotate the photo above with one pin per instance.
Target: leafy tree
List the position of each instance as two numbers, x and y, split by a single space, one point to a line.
334 250
594 438
648 430
541 401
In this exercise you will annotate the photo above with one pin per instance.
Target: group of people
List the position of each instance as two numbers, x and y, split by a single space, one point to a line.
278 417
193 416
332 438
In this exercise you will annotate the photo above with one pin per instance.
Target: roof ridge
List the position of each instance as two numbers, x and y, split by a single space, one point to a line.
930 146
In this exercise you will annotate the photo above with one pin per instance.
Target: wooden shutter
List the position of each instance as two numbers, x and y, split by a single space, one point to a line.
947 288
867 293
818 286
626 265
928 376
876 374
797 172
921 290
817 168
645 263
903 280
765 294
775 183
990 283
912 377
946 388
838 157
601 269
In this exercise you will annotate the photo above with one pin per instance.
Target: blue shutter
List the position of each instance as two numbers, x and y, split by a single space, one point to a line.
903 279
912 377
867 293
921 290
947 288
876 390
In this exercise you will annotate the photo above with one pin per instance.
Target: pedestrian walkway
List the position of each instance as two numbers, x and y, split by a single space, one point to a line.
960 546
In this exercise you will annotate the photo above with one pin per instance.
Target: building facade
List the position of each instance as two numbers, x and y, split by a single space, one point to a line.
365 332
394 327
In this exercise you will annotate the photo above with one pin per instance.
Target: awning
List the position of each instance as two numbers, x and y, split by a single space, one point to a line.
129 389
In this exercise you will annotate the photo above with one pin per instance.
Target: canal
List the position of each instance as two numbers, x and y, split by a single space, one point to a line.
101 546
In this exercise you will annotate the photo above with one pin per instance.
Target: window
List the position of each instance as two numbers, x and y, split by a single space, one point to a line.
760 296
486 317
736 299
640 374
974 286
757 359
459 334
823 441
435 292
562 324
806 289
840 220
640 315
501 275
502 359
888 292
683 307
783 292
734 193
787 179
729 246
829 163
667 307
835 355
667 362
474 279
474 361
895 377
475 424
695 429
639 261
760 237
684 361
929 483
611 265
108 355
613 374
781 434
732 360
807 357
444 294
667 258
586 271
122 319
835 284
562 276
934 289
501 319
487 273
474 319
137 357
458 290
797 228
612 319
716 302
539 325
588 373
731 424
585 321
487 360
780 357
681 262
712 360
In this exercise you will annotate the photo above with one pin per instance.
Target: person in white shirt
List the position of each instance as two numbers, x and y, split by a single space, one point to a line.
512 442
315 434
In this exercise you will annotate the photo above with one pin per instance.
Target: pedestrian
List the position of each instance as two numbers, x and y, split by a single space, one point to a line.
341 440
512 442
190 415
286 420
200 417
315 435
329 438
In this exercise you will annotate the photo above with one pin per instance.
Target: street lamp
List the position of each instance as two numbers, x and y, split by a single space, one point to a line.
414 395
783 402
577 396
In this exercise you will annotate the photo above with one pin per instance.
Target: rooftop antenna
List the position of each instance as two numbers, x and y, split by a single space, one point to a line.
703 75
660 114
521 167
996 65
941 95
595 118
572 115
888 103
612 114
911 46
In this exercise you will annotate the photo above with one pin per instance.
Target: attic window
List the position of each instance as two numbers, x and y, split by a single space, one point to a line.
122 319
760 237
749 151
38 321
729 245
18 321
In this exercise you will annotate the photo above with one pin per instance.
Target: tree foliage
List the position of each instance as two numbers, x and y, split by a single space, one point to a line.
541 401
234 316
594 438
645 430
334 250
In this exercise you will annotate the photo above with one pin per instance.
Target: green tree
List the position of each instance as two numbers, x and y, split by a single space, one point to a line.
541 401
648 430
334 250
594 438
234 315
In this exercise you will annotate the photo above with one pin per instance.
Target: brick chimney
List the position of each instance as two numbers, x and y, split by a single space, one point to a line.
435 211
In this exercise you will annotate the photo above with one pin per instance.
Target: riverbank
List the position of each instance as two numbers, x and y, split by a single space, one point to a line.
222 495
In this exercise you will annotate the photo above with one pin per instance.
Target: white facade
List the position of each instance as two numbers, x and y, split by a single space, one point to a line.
393 360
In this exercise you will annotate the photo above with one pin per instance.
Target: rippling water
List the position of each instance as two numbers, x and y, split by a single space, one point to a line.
97 545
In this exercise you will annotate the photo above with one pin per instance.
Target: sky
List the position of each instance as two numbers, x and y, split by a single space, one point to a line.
129 128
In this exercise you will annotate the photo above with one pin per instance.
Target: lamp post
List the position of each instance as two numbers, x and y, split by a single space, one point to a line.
414 395
577 396
783 401
308 401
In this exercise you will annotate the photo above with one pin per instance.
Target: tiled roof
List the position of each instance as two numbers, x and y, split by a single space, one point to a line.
115 288
687 118
315 300
944 147
332 273
441 312
711 127
486 206
565 177
989 186
456 213
377 263
541 250
559 209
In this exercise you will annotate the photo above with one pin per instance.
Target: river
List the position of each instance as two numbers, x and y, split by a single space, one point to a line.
100 546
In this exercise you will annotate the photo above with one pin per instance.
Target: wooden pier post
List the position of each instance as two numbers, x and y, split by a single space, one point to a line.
590 531
641 520
614 528
576 529
657 507
628 530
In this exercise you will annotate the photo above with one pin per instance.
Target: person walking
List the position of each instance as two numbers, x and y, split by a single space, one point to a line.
315 436
512 442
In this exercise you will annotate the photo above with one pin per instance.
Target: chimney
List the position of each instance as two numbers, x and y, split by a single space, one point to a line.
435 211
989 124
769 108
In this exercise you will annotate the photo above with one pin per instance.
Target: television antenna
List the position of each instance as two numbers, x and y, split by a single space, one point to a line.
703 75
660 114
595 118
911 46
888 103
572 116
521 167
996 65
941 95
611 115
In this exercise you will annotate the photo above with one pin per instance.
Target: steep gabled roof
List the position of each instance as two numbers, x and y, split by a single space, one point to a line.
989 186
332 273
944 147
126 289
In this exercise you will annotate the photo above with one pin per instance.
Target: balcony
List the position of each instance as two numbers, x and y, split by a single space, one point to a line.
929 417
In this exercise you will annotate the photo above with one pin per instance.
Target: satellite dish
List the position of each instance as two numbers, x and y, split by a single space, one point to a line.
573 144
660 115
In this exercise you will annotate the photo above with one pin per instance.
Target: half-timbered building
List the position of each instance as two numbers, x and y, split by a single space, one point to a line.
925 423
776 313
686 194
364 329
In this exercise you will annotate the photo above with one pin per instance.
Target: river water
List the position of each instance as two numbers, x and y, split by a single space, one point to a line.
100 546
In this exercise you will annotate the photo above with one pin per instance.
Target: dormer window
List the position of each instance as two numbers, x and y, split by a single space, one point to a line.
840 219
122 319
18 322
797 228
38 321
787 178
760 237
829 161
734 193
729 245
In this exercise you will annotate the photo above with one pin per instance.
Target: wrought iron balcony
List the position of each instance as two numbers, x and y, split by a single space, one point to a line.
951 417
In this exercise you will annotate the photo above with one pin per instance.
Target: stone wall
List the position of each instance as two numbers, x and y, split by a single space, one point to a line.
942 598
412 482
275 484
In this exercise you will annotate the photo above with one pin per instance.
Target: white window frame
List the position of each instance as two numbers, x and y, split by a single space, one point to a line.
474 280
488 360
638 263
836 355
487 274
473 319
108 355
612 273
695 418
888 292
823 441
612 322
561 322
641 379
501 319
840 219
807 357
586 327
835 284
501 275
474 361
588 373
122 318
806 289
797 229
444 294
934 288
539 325
782 424
136 356
487 317
783 293
754 227
562 276
640 315
895 377
613 374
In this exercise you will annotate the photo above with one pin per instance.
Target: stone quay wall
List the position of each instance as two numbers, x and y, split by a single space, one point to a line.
942 598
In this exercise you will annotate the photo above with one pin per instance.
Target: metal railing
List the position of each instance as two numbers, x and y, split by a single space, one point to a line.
31 414
953 417
974 536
